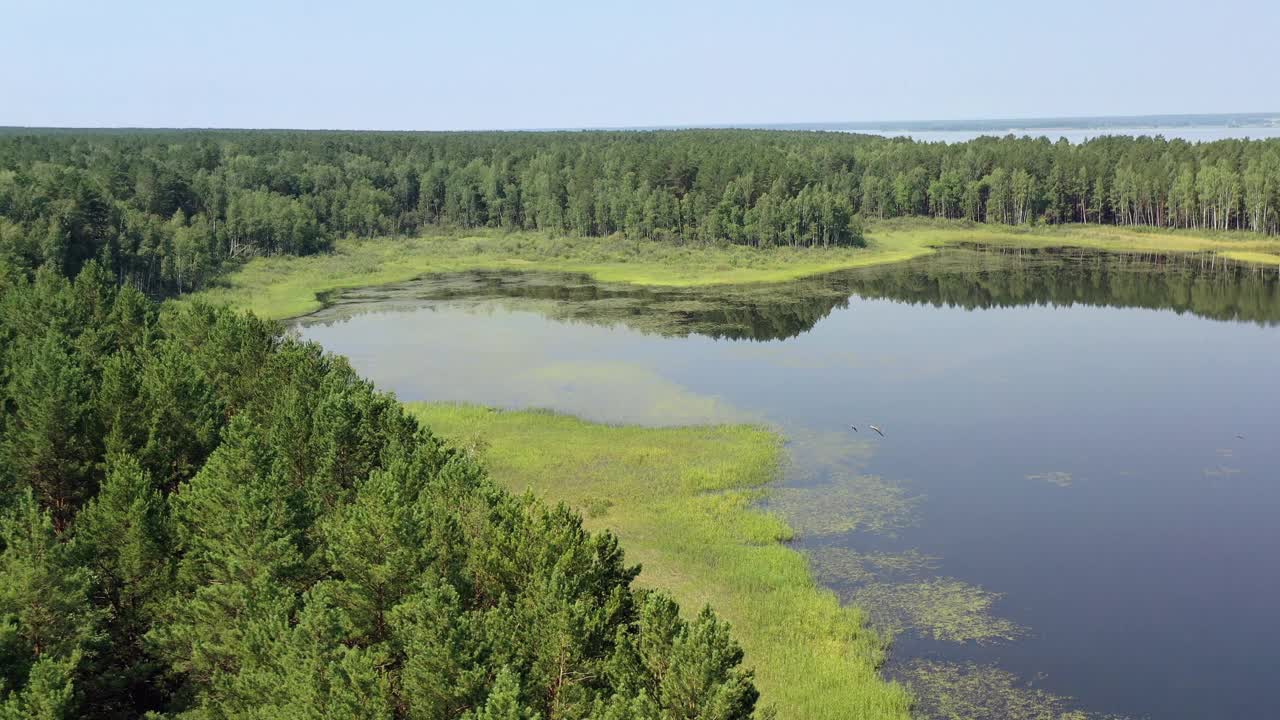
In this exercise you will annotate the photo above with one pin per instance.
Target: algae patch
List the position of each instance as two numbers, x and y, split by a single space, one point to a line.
941 609
818 455
841 565
1059 478
865 503
969 691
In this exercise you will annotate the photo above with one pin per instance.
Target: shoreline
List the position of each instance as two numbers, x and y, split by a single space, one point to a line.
694 525
288 287
683 503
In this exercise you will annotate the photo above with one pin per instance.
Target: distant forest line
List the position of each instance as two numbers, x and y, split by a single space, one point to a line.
164 210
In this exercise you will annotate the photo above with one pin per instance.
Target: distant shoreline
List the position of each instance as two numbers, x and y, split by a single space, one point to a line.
1270 120
1097 122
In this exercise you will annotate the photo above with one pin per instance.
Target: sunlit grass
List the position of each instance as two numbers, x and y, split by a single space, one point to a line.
282 287
682 502
1238 245
287 286
1253 258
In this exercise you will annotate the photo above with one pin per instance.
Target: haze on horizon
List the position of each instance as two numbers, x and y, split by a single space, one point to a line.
396 64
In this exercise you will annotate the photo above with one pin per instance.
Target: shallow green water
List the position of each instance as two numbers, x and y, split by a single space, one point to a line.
1060 505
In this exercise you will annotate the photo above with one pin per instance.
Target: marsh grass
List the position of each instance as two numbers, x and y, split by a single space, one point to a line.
286 286
684 500
683 503
1235 244
1262 259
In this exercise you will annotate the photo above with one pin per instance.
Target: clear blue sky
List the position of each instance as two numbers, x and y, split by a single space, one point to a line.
397 64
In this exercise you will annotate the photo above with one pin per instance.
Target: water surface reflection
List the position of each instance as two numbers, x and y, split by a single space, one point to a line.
1061 505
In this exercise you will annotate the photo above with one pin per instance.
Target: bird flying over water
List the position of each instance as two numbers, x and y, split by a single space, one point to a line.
873 427
854 428
1239 436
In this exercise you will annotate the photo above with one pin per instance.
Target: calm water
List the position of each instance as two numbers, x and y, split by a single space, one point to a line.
1192 128
1079 135
1061 429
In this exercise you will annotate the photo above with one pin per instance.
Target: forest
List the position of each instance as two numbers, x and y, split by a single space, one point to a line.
165 210
203 518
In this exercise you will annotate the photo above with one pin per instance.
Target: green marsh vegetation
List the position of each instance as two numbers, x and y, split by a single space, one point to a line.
826 496
682 501
938 608
756 311
1000 274
854 503
843 565
969 691
900 592
285 286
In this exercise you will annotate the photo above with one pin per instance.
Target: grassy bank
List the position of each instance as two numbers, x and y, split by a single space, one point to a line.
1244 246
282 287
287 286
681 499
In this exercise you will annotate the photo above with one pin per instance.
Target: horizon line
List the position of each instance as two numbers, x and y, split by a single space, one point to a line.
1025 122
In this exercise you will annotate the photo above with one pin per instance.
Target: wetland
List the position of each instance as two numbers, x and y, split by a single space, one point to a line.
1071 512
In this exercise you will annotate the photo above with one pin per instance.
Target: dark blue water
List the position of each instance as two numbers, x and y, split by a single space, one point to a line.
1069 422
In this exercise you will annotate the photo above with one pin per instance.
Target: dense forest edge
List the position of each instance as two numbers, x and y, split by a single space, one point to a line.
203 518
167 210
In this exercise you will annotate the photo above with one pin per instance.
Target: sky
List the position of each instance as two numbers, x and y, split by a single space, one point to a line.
397 64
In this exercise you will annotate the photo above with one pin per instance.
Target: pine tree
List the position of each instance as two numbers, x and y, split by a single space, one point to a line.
47 623
503 702
122 535
240 530
48 444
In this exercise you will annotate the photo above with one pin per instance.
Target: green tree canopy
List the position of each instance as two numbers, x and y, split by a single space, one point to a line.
203 518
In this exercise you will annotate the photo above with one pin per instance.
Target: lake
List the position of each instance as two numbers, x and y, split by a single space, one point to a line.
1192 128
1078 461
1079 135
